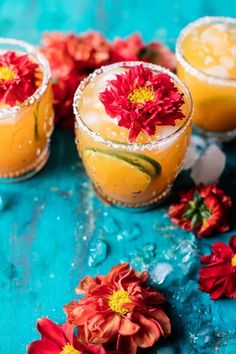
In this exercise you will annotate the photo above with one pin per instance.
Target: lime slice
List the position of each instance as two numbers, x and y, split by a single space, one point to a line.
119 175
150 165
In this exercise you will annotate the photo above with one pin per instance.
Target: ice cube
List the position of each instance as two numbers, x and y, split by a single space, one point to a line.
209 166
215 39
160 272
227 62
218 71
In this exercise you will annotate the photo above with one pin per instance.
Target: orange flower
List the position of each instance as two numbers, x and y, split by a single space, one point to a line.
119 308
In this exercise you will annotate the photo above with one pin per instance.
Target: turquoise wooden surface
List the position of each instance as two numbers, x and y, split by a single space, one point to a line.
53 228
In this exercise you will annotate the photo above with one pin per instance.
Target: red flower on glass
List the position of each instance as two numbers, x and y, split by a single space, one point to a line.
218 277
119 308
158 53
126 49
141 100
202 209
18 79
60 340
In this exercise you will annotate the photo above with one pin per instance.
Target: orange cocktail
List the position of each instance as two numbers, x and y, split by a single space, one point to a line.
206 56
25 127
137 173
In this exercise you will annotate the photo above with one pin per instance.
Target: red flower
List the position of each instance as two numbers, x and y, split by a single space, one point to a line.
18 79
218 277
119 308
202 209
126 49
142 100
158 53
60 340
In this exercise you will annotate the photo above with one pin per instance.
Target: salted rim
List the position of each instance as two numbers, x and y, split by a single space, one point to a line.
126 146
201 75
44 65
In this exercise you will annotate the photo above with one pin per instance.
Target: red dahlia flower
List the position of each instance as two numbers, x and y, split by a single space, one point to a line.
119 308
18 79
202 209
218 277
141 100
60 340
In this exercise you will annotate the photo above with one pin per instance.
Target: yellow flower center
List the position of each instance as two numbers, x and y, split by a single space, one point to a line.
141 95
6 74
233 261
69 349
116 301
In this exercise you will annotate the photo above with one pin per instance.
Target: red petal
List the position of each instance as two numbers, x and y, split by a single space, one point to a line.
232 243
148 334
43 347
127 327
51 331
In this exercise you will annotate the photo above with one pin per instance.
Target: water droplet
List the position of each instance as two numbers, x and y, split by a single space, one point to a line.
98 252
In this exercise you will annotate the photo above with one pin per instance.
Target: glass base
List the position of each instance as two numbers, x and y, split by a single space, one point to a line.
22 175
216 136
134 207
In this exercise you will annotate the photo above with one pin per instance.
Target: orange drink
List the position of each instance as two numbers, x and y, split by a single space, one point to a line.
206 62
25 126
134 173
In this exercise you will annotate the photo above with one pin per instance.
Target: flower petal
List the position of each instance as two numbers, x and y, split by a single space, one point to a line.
149 332
51 331
43 347
127 327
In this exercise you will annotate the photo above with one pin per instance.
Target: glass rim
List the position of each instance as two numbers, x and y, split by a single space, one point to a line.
44 66
129 146
201 75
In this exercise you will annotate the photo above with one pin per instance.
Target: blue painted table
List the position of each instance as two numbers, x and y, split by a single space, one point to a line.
50 226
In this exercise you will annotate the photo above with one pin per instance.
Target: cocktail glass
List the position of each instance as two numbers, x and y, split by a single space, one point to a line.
26 128
129 174
206 62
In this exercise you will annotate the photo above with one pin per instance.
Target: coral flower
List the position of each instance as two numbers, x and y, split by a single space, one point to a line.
72 58
158 53
141 100
126 49
60 340
119 308
202 209
18 79
218 277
